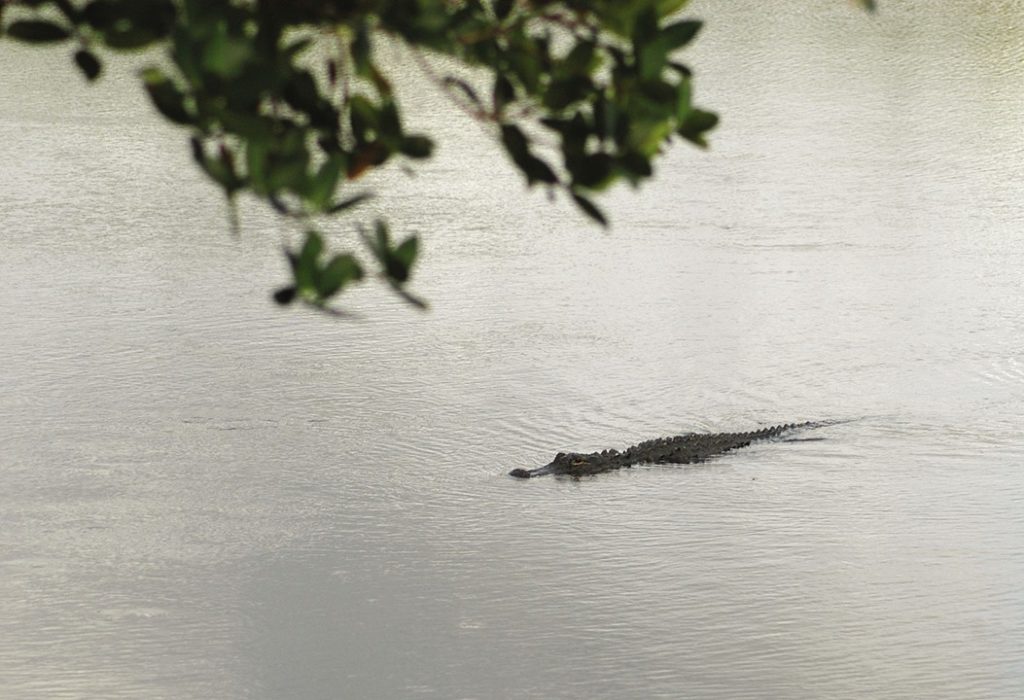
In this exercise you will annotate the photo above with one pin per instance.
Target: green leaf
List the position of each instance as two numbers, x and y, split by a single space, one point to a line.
645 28
537 170
515 142
525 64
129 39
301 93
226 56
166 97
635 167
589 208
363 118
651 58
580 60
305 265
697 123
324 182
256 156
517 146
606 117
130 23
220 169
681 33
315 284
361 51
287 161
37 32
312 248
684 99
406 252
88 64
591 171
562 93
503 92
416 146
341 270
397 262
285 295
389 123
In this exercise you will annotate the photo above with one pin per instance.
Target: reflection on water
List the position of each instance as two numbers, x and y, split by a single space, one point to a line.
204 496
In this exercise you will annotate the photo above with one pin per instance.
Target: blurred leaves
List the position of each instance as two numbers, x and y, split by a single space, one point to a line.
580 95
37 31
317 279
88 64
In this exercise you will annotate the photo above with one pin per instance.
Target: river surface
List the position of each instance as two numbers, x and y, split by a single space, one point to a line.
205 496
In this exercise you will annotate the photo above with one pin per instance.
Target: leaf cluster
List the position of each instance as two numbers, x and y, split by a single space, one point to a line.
286 99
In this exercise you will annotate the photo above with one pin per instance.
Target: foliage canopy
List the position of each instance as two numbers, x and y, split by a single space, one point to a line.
286 100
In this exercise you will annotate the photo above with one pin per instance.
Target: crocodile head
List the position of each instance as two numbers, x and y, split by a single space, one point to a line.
575 462
563 463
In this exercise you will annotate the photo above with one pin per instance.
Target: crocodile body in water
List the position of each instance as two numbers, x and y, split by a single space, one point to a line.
679 449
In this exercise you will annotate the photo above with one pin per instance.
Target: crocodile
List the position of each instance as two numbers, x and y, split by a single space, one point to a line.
678 449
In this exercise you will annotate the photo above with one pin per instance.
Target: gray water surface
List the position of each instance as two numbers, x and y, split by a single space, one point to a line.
205 496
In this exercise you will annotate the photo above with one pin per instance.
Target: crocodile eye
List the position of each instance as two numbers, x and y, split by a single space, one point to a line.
578 461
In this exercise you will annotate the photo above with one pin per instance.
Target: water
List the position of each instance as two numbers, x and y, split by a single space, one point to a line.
204 496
